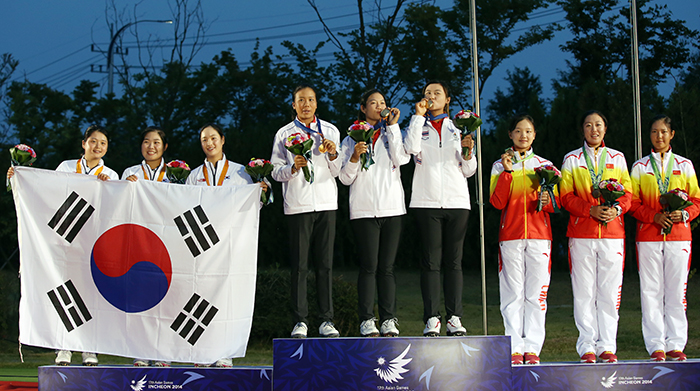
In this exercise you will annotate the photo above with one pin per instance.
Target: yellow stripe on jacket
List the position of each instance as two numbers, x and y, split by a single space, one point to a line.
575 192
645 197
516 196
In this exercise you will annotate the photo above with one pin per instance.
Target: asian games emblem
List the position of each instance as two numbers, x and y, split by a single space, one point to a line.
391 372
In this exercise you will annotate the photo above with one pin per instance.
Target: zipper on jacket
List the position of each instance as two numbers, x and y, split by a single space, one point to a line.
522 180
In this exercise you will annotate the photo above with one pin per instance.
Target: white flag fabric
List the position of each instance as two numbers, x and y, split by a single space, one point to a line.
146 269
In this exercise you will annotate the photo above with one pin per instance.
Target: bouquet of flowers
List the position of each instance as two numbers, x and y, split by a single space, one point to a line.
608 190
549 177
301 144
673 200
363 131
177 171
259 169
467 122
21 155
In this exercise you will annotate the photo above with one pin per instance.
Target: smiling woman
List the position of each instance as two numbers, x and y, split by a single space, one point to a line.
596 239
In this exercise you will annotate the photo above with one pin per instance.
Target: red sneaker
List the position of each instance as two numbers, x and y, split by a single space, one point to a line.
531 359
658 355
607 357
676 355
588 358
516 359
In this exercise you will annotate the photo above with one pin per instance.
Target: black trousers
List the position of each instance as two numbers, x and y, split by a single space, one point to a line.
315 229
442 233
377 245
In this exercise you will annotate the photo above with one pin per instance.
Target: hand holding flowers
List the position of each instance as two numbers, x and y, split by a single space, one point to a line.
20 155
673 201
363 132
259 170
549 177
177 171
300 145
467 122
608 190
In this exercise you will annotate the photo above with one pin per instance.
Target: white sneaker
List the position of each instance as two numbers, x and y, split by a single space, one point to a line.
300 330
432 327
162 364
368 328
89 359
63 357
389 328
139 362
224 363
454 327
327 329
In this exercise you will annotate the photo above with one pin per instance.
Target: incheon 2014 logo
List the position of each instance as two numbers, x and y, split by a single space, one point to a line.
131 267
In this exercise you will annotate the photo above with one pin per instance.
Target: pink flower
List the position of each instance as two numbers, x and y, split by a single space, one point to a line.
357 125
26 148
178 164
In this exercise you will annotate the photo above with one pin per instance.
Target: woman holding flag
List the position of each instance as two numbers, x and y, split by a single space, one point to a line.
154 143
525 241
217 170
596 239
95 143
664 241
376 207
440 200
310 203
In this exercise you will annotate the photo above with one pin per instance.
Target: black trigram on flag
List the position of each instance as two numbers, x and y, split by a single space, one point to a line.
194 318
195 230
80 212
69 305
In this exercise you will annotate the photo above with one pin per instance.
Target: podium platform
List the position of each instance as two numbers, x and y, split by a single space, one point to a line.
626 375
384 364
418 363
121 378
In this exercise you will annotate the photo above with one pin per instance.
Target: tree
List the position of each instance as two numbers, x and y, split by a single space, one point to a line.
496 22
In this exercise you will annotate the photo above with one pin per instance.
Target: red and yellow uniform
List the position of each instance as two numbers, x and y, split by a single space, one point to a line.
664 260
525 238
596 251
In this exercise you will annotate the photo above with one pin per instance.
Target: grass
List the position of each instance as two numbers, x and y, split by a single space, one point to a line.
559 345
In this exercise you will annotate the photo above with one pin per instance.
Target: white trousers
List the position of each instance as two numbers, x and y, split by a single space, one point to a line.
596 281
524 274
663 276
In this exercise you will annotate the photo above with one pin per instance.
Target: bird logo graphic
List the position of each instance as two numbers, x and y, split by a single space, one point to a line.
609 382
391 372
138 385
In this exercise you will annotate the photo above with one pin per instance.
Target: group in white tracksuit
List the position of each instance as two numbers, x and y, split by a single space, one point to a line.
441 204
310 208
376 206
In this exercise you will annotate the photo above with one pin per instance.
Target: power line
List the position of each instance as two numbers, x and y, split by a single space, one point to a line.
53 62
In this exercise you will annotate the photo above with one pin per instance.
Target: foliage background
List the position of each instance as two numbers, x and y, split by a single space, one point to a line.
396 51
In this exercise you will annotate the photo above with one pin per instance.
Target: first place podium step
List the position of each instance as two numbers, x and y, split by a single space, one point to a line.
390 364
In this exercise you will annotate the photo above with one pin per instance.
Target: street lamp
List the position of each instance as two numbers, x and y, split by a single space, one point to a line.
110 51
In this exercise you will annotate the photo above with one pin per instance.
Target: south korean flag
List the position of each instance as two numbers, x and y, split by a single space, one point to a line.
146 269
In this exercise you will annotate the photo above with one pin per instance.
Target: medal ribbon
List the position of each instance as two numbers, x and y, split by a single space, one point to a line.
221 177
148 176
662 179
79 169
596 177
